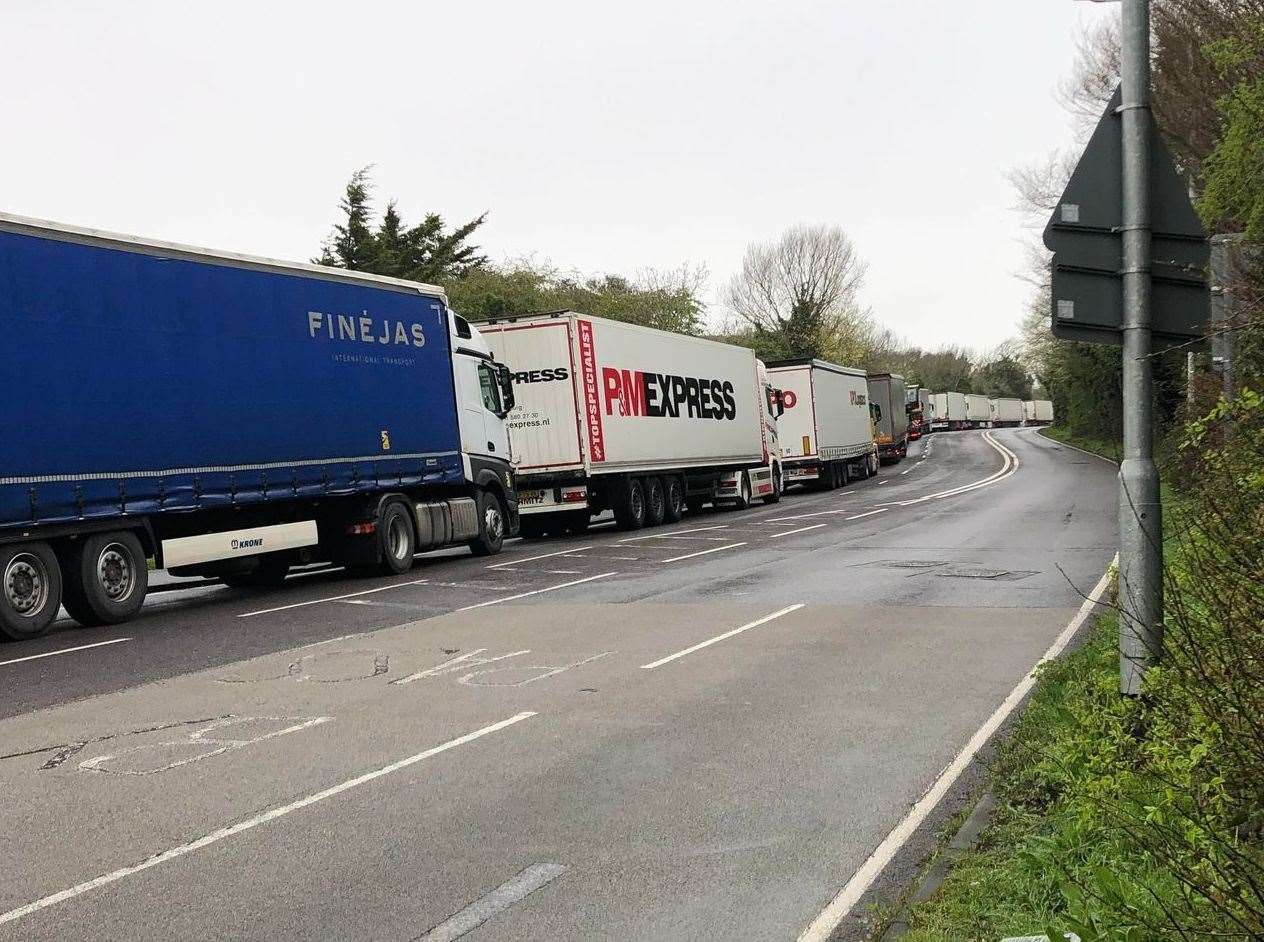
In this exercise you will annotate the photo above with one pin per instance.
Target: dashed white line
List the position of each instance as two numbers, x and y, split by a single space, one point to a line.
867 513
333 598
728 634
214 837
523 595
669 533
495 902
815 526
530 559
81 647
824 925
714 549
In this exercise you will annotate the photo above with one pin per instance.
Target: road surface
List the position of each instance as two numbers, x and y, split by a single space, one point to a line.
695 732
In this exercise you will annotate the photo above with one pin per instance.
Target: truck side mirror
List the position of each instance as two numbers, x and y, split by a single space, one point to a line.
505 378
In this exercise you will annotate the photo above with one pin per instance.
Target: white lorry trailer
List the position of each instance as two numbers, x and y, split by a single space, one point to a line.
642 422
1038 412
826 432
1007 412
978 411
950 411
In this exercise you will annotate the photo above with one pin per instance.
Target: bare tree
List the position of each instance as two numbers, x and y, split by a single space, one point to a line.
800 294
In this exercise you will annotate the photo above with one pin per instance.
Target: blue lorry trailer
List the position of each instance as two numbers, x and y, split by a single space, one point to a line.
228 416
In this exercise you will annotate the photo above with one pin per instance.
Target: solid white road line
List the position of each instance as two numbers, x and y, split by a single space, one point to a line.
655 536
232 830
867 513
523 595
495 902
1008 468
333 598
824 925
81 647
530 559
728 634
815 526
714 549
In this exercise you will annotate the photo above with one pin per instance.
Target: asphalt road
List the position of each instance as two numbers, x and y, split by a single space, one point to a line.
695 732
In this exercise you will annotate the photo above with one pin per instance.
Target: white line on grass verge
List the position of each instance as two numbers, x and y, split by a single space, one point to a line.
714 549
728 634
81 647
824 925
333 598
232 830
523 595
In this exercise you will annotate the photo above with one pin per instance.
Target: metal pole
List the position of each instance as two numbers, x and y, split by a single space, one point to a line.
1140 515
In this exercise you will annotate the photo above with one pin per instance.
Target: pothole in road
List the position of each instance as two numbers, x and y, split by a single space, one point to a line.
993 575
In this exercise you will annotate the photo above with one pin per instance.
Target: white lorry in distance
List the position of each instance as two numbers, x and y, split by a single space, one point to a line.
978 411
638 421
1038 412
950 411
1007 412
826 431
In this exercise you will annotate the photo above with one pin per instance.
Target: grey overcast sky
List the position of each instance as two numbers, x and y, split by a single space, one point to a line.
600 137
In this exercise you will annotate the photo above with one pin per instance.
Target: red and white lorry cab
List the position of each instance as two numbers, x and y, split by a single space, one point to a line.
642 422
826 432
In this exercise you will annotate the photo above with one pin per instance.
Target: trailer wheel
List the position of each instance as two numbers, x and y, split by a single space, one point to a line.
777 486
629 513
673 499
655 502
107 576
30 590
268 574
491 526
829 476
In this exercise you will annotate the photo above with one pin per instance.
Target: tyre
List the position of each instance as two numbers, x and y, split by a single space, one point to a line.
673 499
30 590
107 576
491 525
655 502
268 574
629 513
396 540
777 487
743 492
829 477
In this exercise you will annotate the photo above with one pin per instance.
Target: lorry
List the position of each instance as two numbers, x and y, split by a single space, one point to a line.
618 417
231 417
826 432
1006 412
950 411
1038 412
978 411
887 404
921 412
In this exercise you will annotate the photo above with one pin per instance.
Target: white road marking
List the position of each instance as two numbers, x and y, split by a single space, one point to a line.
880 483
819 513
907 470
659 536
81 647
824 925
1009 468
714 549
333 598
815 526
530 559
232 830
523 595
867 513
563 572
497 901
728 634
458 663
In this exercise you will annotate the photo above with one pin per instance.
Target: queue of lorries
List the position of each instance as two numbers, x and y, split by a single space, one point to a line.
226 416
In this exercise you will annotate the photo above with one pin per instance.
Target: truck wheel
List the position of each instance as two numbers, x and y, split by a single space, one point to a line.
30 590
268 574
629 514
655 502
673 499
107 576
777 486
743 492
397 540
829 476
491 525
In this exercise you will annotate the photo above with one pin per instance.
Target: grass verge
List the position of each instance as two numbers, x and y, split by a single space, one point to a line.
1105 447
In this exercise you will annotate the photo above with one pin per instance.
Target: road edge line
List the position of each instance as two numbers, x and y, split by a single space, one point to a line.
823 926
